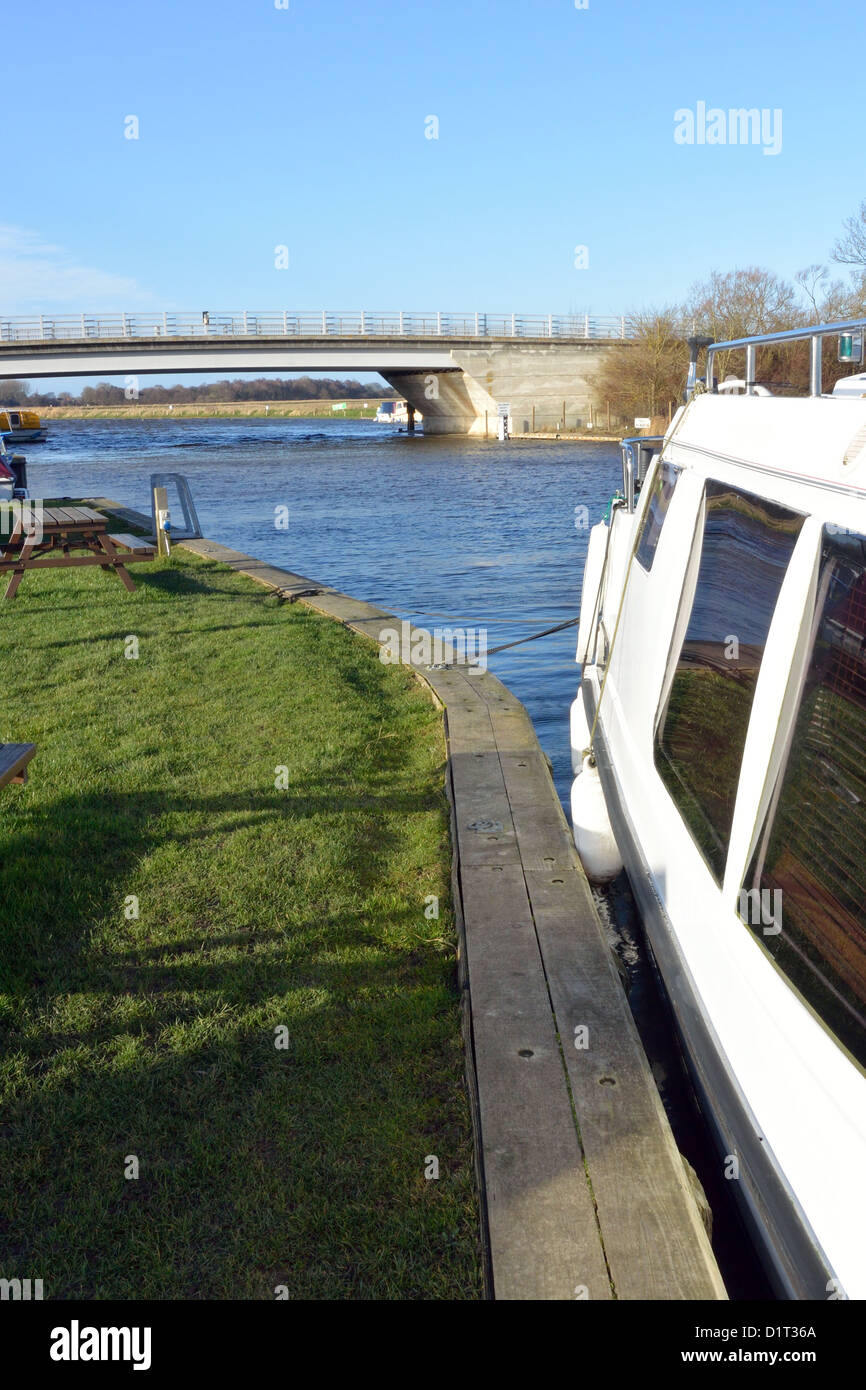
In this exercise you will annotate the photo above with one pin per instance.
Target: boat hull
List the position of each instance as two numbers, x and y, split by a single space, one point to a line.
35 436
795 1264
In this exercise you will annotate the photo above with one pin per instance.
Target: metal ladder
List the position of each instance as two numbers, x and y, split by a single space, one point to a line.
192 529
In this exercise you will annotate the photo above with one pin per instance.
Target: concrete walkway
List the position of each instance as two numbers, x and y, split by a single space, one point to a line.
584 1192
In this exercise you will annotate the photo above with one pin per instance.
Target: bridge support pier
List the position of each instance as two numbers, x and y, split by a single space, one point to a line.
547 387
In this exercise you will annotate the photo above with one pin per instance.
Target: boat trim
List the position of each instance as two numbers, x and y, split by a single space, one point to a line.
808 479
795 1261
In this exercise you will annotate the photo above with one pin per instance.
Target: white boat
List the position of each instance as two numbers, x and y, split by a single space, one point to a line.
719 742
395 413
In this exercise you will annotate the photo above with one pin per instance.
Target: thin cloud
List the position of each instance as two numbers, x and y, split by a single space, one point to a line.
38 277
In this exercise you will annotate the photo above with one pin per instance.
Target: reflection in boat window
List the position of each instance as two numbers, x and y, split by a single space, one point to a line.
746 546
659 500
810 861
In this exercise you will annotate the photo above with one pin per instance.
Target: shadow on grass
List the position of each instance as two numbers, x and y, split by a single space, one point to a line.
258 1166
176 581
155 1038
69 861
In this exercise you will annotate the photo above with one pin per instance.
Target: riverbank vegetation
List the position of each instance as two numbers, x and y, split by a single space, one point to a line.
262 390
217 410
648 380
230 1026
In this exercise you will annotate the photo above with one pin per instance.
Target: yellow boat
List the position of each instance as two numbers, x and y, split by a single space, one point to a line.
20 426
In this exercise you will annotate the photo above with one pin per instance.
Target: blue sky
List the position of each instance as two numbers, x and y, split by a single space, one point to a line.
305 127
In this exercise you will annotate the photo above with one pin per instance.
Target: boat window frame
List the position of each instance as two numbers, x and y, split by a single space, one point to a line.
648 489
802 581
678 634
683 613
765 811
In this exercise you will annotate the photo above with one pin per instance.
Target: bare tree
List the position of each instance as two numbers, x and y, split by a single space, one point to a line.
730 305
831 300
850 249
14 392
645 377
812 280
741 303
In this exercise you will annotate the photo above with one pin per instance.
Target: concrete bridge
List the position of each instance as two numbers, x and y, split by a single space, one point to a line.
456 369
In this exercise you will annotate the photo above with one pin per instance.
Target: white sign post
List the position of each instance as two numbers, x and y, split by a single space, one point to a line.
503 410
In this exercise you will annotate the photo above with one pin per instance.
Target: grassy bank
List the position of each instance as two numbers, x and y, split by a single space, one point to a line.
213 410
152 1036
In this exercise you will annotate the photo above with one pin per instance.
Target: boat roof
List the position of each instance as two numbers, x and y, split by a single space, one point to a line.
819 440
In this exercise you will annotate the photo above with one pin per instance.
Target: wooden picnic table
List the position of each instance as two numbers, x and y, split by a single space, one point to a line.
14 758
45 539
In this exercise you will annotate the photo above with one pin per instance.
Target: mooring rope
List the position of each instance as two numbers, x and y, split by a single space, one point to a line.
453 618
570 622
533 637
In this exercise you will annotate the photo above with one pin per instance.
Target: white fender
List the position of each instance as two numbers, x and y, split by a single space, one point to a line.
593 837
593 572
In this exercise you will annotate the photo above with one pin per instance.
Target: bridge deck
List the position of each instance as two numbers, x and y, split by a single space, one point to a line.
140 355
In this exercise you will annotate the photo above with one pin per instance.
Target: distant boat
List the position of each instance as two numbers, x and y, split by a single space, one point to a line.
395 413
21 426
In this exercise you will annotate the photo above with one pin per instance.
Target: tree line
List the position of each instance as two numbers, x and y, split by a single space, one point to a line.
649 378
303 388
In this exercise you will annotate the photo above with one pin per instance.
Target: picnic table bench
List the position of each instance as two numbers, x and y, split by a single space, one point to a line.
14 758
45 539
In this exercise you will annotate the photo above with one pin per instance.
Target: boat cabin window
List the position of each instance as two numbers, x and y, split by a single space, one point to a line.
745 549
661 492
809 866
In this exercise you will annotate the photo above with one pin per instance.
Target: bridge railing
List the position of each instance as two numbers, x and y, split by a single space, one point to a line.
284 323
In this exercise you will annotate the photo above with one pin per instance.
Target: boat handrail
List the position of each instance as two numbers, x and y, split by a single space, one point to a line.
816 334
637 453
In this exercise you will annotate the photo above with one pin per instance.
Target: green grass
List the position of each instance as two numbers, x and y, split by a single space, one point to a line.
258 908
